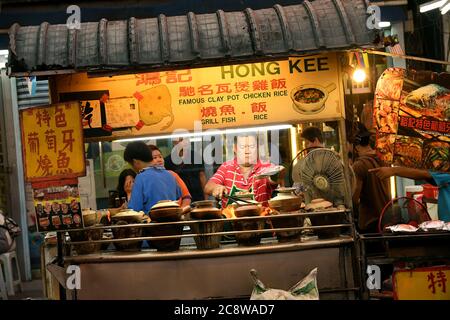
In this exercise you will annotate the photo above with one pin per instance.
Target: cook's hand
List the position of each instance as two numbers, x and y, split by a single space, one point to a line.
219 191
383 172
279 177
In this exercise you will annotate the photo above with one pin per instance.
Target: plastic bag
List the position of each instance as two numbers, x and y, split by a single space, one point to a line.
305 289
432 225
447 226
402 228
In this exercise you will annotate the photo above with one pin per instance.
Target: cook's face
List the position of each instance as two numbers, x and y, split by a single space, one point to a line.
246 150
158 159
128 185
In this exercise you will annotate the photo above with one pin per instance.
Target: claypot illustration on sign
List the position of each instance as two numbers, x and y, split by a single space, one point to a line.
311 98
155 105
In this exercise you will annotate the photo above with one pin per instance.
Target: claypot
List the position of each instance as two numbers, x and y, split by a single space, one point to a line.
86 235
294 222
286 202
248 210
91 217
165 211
128 232
328 219
206 210
318 204
165 230
311 107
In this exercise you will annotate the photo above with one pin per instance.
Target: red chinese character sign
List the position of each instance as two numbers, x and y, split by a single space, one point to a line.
422 284
52 142
413 127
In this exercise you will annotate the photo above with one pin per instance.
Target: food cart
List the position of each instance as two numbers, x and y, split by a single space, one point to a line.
413 239
136 79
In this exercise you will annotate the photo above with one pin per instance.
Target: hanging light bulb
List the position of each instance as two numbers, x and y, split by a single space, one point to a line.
359 75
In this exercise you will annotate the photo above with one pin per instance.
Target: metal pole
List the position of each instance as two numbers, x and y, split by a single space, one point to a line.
17 183
60 244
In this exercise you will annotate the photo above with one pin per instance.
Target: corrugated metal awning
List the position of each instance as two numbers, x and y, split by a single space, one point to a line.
191 40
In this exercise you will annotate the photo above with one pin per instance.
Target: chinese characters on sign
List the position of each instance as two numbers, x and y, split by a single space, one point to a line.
268 92
148 79
52 141
413 127
437 280
429 283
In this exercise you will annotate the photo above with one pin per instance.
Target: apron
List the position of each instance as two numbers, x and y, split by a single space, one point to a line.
234 189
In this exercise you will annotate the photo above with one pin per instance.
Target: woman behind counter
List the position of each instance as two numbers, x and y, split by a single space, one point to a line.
126 182
124 187
158 160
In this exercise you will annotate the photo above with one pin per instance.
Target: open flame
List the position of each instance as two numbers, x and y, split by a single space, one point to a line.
268 211
229 212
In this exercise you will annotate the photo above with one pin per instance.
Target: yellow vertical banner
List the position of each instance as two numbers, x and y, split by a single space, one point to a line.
430 283
52 142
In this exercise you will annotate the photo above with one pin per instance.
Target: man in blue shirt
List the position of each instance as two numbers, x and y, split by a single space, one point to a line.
152 184
441 180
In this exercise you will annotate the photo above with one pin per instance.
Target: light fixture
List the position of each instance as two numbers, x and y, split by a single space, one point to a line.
294 145
359 75
393 188
207 133
431 5
445 8
384 24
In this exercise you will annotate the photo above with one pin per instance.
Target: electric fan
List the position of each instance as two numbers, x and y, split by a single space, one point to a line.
321 172
402 210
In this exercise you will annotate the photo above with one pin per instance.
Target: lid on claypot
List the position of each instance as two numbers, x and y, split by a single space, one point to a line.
165 204
319 204
86 212
204 204
285 193
287 199
205 210
248 210
129 216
